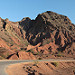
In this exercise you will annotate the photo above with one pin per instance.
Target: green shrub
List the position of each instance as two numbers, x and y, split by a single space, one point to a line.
39 58
48 41
38 53
55 64
59 55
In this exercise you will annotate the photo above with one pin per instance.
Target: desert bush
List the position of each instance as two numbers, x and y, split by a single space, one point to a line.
31 50
39 58
37 53
47 41
59 55
55 64
7 54
2 50
26 43
2 55
52 39
1 58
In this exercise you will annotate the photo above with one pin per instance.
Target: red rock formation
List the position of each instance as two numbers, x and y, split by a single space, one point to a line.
25 55
49 33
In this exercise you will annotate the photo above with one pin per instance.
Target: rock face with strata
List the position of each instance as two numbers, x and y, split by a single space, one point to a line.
50 27
49 33
47 23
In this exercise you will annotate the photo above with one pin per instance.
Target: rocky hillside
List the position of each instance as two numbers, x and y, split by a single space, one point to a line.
42 68
50 35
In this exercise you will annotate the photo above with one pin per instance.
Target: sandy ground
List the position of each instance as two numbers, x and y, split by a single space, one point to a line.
42 68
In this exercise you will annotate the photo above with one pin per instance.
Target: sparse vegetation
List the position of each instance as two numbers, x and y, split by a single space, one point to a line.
26 43
1 58
55 64
49 33
35 63
39 58
38 53
7 54
47 41
31 50
2 55
52 39
59 55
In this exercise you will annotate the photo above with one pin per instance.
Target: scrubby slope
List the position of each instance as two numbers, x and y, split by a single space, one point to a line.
49 34
12 36
54 30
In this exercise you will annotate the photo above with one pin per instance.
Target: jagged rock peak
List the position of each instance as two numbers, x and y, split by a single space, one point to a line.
25 23
1 19
4 19
52 16
26 18
7 20
50 24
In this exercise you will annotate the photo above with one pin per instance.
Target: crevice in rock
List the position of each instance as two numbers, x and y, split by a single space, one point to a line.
4 25
63 48
17 54
10 56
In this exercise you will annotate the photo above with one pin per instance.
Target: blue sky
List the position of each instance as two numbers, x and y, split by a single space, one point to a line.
15 10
